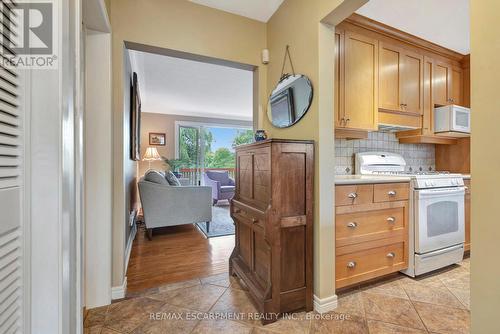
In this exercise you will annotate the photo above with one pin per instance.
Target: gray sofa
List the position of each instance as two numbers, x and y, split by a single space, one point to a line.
167 205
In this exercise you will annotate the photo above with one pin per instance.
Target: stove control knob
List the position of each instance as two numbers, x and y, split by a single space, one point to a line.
427 183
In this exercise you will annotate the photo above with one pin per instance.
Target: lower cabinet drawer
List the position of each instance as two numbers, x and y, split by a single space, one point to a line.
389 192
351 228
353 194
370 263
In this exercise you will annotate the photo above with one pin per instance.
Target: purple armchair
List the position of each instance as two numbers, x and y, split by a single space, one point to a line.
222 185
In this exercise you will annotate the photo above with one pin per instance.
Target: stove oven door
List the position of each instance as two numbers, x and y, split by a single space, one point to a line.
439 218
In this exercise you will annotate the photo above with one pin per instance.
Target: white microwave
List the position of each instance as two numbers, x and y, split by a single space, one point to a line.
452 120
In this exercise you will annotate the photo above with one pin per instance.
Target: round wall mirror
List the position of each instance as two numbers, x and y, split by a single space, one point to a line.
290 100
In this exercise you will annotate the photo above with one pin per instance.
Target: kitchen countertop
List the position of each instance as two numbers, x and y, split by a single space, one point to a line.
361 179
466 176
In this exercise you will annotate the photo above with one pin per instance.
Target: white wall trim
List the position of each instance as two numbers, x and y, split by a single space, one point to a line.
130 242
98 181
324 305
118 292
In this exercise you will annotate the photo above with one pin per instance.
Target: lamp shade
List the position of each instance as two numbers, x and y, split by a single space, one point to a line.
151 154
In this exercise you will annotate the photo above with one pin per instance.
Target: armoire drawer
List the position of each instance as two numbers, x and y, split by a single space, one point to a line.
370 263
356 227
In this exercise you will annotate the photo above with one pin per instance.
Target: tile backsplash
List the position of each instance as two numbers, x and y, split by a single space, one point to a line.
417 156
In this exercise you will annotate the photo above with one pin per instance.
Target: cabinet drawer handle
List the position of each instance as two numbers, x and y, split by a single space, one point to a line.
391 220
391 193
254 220
351 264
353 195
391 255
352 225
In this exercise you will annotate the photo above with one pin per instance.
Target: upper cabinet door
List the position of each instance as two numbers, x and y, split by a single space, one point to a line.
412 98
390 65
361 81
456 86
339 79
440 79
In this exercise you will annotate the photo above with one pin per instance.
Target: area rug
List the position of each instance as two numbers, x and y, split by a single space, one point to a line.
221 224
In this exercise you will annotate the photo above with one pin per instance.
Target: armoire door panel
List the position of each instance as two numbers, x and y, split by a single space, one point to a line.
262 259
293 251
245 243
293 169
389 77
261 159
245 176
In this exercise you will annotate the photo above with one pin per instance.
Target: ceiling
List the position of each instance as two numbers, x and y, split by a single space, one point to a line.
443 22
177 86
260 10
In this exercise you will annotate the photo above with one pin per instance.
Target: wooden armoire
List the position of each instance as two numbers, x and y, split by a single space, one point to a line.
273 213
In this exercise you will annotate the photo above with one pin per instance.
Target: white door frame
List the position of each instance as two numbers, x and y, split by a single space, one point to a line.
54 171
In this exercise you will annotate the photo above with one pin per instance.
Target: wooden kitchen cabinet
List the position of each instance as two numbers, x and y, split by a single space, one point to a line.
448 84
441 83
371 231
412 82
400 79
456 85
358 82
385 78
390 66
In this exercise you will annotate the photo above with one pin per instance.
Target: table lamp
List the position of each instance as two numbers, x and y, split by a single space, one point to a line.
151 155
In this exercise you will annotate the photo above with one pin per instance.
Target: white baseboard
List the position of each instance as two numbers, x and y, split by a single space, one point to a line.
325 305
118 292
130 242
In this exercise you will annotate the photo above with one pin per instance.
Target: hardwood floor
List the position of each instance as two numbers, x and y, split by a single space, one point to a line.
176 253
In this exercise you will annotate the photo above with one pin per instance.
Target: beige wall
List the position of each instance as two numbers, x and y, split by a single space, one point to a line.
178 25
297 23
154 122
485 166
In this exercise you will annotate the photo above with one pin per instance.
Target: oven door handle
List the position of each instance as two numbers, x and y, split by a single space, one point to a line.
441 192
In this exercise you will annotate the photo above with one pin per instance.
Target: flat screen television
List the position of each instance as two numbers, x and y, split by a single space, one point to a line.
282 106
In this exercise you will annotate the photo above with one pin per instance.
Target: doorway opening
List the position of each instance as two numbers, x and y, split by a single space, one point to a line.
194 110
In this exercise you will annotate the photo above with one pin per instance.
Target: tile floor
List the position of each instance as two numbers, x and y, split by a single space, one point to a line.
435 303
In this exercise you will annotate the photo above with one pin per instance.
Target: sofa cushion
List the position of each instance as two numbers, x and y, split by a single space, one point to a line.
226 189
172 179
155 177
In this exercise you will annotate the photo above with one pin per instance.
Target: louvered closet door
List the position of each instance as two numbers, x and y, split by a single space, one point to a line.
11 186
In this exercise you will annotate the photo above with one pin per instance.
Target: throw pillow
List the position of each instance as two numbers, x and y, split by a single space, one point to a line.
172 179
155 177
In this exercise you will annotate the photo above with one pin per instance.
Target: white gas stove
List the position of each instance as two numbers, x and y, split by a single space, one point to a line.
437 214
